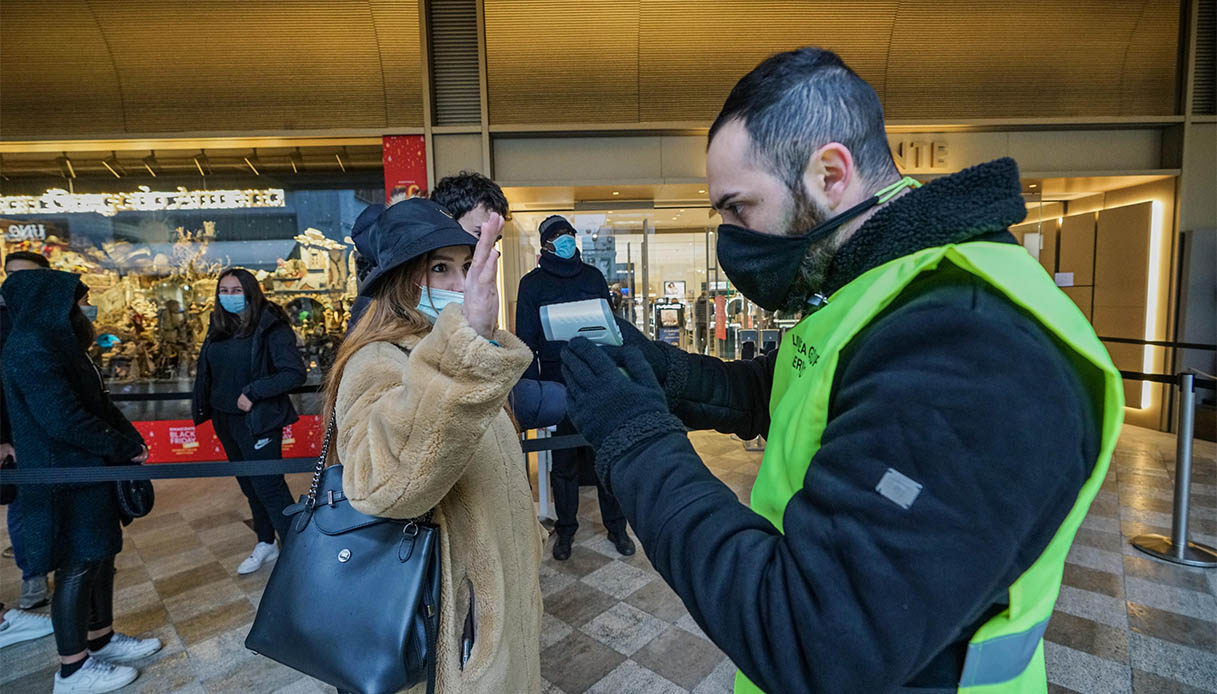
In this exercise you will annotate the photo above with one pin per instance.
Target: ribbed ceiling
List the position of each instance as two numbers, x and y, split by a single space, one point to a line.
676 60
93 68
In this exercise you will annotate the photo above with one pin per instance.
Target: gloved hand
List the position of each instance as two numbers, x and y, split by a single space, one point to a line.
665 360
611 410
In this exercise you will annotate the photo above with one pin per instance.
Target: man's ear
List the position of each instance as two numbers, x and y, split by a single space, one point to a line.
829 175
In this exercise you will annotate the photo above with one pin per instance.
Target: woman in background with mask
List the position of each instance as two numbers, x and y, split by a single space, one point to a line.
62 416
247 366
418 390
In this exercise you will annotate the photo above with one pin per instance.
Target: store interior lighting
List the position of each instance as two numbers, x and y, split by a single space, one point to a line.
1157 212
66 165
112 165
150 164
250 164
202 164
296 160
340 164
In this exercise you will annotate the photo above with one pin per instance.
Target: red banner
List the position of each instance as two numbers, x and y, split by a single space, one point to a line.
180 441
405 162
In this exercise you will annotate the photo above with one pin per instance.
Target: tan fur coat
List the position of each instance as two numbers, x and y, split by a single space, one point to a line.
428 430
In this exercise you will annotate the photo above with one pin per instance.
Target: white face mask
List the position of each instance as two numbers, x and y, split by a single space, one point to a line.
432 301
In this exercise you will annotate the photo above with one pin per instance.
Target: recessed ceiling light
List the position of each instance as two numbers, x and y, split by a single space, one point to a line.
616 192
1033 185
702 190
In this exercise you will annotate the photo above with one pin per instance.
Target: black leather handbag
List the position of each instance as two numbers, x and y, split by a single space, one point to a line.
135 499
354 599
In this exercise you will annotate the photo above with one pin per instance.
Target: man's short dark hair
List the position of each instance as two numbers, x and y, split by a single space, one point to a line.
29 256
795 102
466 190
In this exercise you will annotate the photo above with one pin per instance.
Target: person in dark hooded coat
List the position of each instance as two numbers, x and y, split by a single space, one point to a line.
62 416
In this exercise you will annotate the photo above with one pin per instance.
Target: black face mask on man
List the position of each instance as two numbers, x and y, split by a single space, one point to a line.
764 266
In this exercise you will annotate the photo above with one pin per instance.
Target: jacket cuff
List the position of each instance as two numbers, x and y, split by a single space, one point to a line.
638 430
678 371
460 351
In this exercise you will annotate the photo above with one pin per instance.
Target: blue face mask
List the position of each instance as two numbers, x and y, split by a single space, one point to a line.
564 246
90 312
432 301
233 303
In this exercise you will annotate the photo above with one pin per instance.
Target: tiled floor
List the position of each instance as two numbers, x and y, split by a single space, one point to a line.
1124 623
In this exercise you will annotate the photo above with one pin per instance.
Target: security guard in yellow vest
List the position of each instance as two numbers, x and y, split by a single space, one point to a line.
938 422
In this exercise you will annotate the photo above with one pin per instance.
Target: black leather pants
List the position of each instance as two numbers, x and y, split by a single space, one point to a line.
83 602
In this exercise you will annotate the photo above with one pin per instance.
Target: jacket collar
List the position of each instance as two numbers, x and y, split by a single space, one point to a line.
953 209
562 267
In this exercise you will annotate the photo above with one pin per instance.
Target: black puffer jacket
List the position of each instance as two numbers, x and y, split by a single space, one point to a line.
61 416
277 370
955 387
555 281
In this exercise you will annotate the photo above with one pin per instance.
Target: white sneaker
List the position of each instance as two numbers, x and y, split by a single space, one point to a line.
264 553
126 649
96 676
21 626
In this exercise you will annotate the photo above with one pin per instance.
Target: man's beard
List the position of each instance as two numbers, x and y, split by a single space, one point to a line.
813 271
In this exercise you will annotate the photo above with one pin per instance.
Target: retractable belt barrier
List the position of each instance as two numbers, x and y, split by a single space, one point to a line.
287 466
176 471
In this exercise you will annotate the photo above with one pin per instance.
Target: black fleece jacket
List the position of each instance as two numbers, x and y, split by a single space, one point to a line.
277 369
953 386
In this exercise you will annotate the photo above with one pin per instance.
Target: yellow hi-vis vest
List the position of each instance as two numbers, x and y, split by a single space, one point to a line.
1006 654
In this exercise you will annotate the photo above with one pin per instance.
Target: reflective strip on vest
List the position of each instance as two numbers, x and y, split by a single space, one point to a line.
1002 658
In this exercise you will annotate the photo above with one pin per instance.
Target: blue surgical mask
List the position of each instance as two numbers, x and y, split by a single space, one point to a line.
564 246
432 301
233 303
90 312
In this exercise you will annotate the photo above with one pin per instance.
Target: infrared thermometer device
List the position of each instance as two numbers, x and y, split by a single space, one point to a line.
590 318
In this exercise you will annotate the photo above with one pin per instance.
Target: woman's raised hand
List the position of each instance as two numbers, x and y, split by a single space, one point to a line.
481 306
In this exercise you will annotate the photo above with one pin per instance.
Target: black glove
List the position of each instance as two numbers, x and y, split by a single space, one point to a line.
669 363
611 410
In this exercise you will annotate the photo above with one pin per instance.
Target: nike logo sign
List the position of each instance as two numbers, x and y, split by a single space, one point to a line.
261 444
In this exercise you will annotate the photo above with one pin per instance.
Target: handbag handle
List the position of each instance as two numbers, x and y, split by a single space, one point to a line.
311 502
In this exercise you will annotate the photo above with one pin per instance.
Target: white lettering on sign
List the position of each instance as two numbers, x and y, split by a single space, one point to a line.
60 201
181 436
919 155
25 232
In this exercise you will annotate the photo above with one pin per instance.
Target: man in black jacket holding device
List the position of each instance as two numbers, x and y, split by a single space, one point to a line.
946 440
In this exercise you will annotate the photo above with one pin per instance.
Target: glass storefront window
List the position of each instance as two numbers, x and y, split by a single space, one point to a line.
152 274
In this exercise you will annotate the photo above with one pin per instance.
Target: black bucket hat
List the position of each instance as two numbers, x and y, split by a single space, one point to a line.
407 230
364 224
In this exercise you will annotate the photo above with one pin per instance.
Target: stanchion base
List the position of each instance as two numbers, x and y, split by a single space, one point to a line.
1161 547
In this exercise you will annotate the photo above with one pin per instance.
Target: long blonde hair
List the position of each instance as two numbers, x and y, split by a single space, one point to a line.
392 316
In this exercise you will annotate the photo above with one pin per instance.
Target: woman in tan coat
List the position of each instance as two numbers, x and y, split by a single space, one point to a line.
420 390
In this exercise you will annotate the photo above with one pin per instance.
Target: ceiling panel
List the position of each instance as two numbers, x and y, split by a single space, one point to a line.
656 61
1034 58
50 62
552 61
691 53
157 66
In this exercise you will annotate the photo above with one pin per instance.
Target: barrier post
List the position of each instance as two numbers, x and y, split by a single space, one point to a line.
545 509
1176 548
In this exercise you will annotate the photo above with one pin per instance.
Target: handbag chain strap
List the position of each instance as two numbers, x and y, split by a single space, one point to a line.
320 467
